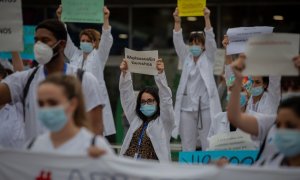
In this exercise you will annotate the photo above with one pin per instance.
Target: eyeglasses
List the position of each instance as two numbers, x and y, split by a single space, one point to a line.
149 102
196 32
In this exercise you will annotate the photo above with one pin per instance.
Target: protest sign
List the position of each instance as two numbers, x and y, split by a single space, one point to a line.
272 54
87 11
219 62
142 62
238 37
42 166
28 38
236 140
191 7
206 157
11 22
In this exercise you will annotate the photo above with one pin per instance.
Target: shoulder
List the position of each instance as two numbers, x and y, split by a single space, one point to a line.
39 143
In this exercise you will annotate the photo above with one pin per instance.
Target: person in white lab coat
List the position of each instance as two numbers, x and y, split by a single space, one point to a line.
92 57
265 94
150 115
197 99
62 111
281 145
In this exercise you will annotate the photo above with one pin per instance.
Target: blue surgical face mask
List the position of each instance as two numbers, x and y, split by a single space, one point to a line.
256 91
195 50
288 142
148 110
86 47
243 98
53 118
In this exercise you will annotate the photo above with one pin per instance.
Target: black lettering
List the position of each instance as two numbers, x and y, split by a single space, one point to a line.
5 30
8 1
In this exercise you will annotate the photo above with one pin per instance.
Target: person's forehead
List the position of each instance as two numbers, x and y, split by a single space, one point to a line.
146 96
43 32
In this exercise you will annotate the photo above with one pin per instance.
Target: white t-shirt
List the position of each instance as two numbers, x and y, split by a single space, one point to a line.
17 81
78 145
12 126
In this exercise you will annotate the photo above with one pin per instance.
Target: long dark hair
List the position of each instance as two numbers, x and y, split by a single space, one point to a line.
154 92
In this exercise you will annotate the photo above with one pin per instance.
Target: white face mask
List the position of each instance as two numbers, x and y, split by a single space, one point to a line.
43 53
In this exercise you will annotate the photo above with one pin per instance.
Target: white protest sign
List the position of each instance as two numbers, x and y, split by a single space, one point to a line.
238 37
142 62
11 25
272 54
41 166
219 62
236 140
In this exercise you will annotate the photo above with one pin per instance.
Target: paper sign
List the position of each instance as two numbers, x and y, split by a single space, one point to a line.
236 140
191 7
87 11
272 54
239 36
205 157
219 62
28 38
11 22
142 62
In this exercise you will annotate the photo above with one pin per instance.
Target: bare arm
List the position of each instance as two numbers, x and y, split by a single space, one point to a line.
240 120
207 19
17 61
177 20
96 120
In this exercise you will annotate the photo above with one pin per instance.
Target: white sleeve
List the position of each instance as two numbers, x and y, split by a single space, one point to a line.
166 103
16 83
105 45
265 122
71 51
180 47
128 99
210 45
102 143
91 91
274 90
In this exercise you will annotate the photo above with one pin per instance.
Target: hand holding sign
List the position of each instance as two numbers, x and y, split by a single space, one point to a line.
124 66
106 12
206 12
160 66
59 12
176 16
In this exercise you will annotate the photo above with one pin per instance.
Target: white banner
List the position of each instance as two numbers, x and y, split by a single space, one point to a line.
11 26
272 54
142 62
28 166
236 140
239 36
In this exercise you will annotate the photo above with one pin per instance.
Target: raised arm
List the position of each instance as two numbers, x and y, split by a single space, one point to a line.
128 99
106 41
165 97
180 47
240 120
17 61
210 42
71 50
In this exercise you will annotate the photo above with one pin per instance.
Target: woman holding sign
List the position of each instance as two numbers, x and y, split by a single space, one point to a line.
92 57
281 146
150 115
197 99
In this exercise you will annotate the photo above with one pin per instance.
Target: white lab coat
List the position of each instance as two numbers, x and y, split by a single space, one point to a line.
95 63
206 71
269 102
159 130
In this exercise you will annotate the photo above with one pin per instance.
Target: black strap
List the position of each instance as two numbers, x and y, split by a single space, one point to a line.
31 143
80 73
261 149
26 88
93 140
231 127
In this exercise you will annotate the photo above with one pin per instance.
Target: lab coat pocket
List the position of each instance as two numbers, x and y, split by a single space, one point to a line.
186 103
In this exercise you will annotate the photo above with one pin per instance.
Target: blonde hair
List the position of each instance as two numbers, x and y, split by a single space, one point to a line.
93 34
72 89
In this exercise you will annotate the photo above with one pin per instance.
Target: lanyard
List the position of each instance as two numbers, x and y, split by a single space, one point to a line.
65 70
141 136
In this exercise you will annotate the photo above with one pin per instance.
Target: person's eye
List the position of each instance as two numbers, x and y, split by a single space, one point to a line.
53 102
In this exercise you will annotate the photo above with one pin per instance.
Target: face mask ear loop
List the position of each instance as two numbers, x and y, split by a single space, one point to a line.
55 45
